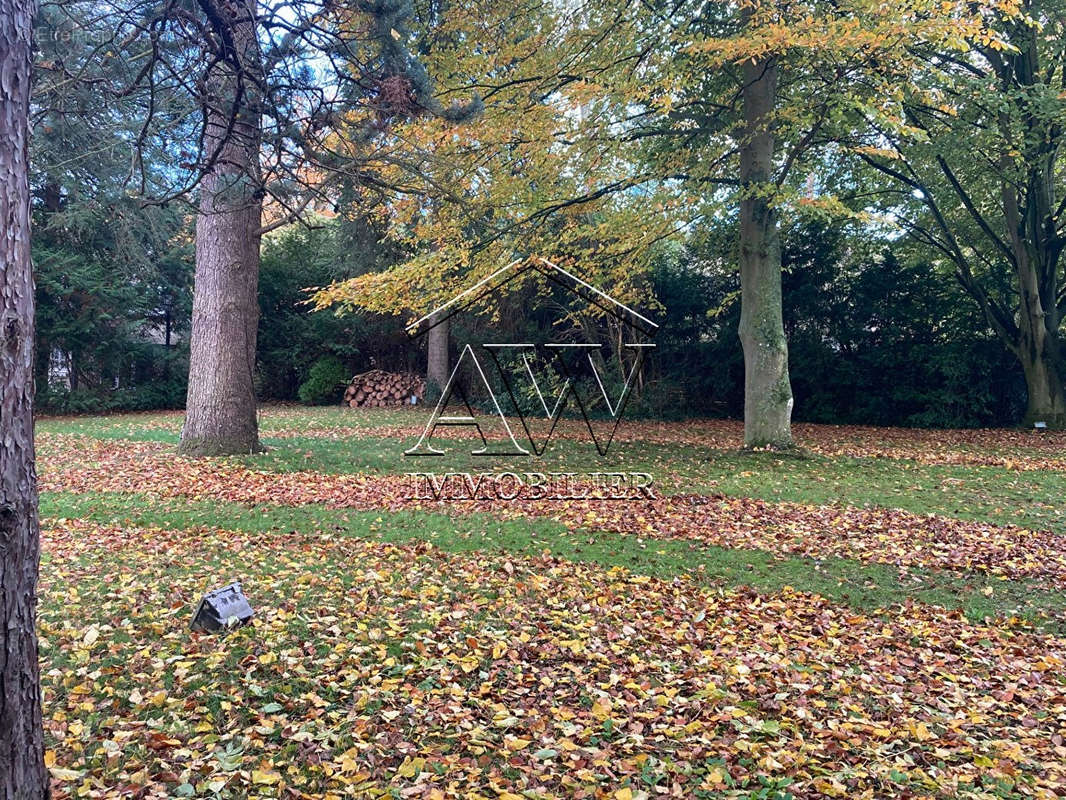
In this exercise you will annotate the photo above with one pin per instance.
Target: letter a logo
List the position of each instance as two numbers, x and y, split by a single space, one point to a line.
507 447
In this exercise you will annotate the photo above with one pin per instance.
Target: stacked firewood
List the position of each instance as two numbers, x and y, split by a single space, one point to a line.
377 389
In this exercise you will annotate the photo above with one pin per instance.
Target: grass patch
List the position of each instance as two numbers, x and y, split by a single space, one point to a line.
860 586
1032 499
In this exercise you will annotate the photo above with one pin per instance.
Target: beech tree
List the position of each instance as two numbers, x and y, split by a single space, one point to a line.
438 366
762 91
537 172
974 153
22 770
637 121
767 390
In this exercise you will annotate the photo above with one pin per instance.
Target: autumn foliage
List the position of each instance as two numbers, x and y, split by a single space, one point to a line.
380 664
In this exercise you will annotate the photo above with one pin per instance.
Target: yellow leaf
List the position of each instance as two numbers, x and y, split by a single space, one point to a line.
65 774
831 788
601 709
410 767
921 732
49 758
624 794
266 777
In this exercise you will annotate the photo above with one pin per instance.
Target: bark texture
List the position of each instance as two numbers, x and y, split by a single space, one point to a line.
22 772
1001 220
1037 344
221 405
1031 211
1033 244
767 391
437 372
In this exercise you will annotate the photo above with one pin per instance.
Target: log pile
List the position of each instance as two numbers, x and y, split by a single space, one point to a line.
378 389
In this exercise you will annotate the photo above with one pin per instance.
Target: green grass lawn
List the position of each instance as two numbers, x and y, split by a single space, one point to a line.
861 586
365 615
1034 499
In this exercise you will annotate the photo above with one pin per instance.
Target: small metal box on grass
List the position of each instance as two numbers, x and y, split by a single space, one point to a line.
221 609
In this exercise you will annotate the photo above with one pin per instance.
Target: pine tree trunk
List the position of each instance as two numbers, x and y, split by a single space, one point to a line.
22 772
437 373
221 405
767 391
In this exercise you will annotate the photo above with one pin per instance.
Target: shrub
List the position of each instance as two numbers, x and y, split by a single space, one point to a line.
326 378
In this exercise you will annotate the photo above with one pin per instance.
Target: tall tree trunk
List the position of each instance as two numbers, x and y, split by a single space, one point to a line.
1037 345
22 772
72 371
767 391
53 203
42 361
1032 220
1043 381
437 372
221 407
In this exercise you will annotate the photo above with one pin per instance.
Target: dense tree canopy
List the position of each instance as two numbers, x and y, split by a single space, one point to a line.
974 163
608 138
